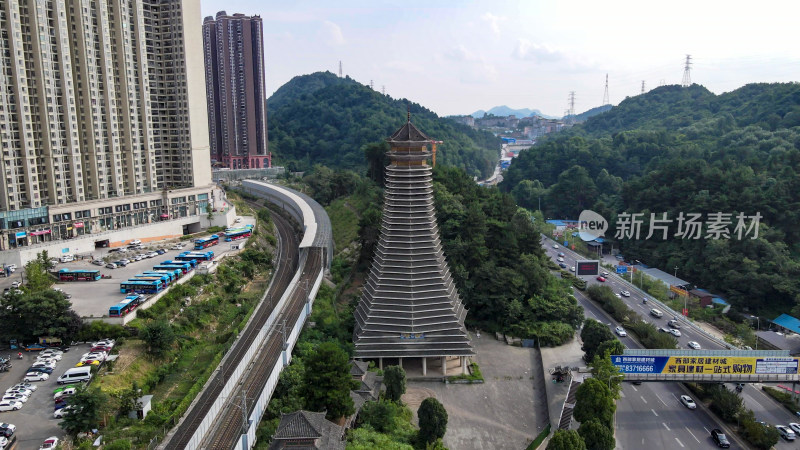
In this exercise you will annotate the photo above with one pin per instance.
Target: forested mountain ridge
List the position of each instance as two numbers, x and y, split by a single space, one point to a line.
686 150
323 119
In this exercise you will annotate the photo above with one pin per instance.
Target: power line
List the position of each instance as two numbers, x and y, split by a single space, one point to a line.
605 94
687 68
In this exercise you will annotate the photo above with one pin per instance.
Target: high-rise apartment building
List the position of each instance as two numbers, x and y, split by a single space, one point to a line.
101 108
237 104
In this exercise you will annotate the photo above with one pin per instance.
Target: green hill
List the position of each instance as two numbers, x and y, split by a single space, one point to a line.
323 119
686 150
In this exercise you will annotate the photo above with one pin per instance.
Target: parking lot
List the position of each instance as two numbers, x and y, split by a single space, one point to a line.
35 421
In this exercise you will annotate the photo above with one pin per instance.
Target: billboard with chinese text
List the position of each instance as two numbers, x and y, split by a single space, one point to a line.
711 365
587 267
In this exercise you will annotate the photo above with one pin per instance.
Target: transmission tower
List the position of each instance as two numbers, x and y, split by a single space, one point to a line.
687 77
340 69
605 94
572 104
371 85
642 86
383 89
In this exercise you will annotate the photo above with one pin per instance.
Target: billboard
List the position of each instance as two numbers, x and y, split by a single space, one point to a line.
587 267
710 365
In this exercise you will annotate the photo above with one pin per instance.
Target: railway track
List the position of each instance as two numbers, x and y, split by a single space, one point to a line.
286 265
230 420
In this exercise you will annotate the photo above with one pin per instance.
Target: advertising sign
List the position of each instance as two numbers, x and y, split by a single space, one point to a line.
622 269
733 365
587 267
678 291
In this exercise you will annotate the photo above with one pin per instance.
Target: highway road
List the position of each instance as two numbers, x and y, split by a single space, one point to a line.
651 413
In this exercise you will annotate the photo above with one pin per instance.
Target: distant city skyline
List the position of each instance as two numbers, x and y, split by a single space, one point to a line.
459 57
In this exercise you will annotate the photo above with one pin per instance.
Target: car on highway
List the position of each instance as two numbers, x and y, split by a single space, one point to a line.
786 432
656 313
719 438
49 443
601 279
562 265
561 254
605 274
8 405
675 332
572 269
625 294
663 330
555 245
674 323
560 259
620 331
688 402
693 345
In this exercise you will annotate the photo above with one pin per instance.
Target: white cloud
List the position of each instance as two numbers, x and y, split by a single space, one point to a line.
461 53
333 33
528 51
494 21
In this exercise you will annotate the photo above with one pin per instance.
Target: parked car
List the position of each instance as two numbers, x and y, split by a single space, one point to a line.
67 258
16 284
675 332
88 362
64 392
152 254
111 266
36 376
693 345
719 438
47 370
161 251
620 331
688 402
114 250
100 348
178 246
97 262
24 385
59 413
7 429
49 443
8 405
35 348
20 390
674 323
15 398
135 242
123 262
795 427
786 432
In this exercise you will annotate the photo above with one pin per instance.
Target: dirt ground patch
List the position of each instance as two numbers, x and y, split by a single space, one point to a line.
413 398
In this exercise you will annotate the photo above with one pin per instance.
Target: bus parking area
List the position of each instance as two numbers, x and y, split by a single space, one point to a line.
94 299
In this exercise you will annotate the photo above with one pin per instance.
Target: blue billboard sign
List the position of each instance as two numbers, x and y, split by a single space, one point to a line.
622 269
640 364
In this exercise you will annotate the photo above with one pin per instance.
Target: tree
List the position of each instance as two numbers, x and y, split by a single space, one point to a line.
605 371
37 279
726 403
593 334
593 400
84 410
327 381
394 378
596 435
432 420
158 336
566 440
760 436
32 314
44 258
129 399
209 212
379 415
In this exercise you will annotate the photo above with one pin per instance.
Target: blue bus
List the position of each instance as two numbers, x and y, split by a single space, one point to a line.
142 286
240 233
176 272
78 275
235 229
182 268
170 274
197 256
124 307
206 242
192 262
163 277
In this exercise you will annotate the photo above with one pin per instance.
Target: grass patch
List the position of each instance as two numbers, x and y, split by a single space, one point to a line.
344 221
540 438
474 375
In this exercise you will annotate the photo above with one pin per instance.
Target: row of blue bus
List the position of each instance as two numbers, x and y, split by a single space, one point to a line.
233 234
164 274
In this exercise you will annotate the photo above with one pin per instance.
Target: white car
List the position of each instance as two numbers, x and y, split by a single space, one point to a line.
620 331
135 242
49 443
43 365
675 332
555 245
105 342
138 257
572 269
693 345
625 293
36 376
98 356
560 259
786 432
688 402
7 405
795 427
152 254
15 398
52 355
59 413
67 391
20 390
67 258
16 284
25 386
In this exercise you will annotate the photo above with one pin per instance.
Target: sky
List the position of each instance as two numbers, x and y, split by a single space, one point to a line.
456 57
